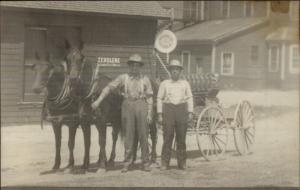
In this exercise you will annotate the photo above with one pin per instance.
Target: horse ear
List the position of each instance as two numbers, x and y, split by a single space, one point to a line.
67 45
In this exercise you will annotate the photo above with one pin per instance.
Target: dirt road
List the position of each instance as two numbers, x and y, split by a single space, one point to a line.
27 153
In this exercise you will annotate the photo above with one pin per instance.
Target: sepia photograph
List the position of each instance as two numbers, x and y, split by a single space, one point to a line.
156 94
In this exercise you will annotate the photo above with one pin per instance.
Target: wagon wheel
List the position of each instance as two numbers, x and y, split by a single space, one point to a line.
212 133
244 130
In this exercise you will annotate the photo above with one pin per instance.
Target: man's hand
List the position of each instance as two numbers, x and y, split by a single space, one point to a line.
95 105
149 117
159 119
190 118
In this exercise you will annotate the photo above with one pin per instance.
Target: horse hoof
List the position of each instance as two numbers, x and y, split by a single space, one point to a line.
101 170
55 167
68 170
111 163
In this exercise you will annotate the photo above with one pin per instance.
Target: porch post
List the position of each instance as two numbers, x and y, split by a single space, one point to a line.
283 60
213 59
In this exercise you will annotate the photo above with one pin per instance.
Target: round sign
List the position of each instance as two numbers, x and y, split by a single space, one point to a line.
166 41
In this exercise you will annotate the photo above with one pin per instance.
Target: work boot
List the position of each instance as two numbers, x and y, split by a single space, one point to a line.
182 166
164 168
125 168
146 167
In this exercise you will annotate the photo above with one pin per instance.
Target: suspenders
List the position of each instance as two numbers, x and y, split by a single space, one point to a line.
141 88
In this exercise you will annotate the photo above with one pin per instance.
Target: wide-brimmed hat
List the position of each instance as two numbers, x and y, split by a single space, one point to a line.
135 58
175 63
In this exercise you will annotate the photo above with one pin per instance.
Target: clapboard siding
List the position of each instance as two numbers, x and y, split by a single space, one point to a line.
106 36
93 51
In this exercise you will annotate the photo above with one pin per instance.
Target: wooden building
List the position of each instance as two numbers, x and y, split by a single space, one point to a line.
109 30
249 44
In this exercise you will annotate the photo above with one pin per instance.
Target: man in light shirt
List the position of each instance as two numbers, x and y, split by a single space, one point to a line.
136 109
175 110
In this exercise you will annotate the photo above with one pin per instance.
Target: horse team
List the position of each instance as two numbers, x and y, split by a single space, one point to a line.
72 85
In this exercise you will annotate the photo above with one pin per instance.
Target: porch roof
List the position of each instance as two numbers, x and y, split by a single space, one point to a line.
134 8
290 34
216 30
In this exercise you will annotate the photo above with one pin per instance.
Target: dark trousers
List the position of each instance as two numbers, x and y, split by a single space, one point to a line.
134 121
174 121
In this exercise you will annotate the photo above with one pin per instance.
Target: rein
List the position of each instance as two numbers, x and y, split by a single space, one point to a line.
60 102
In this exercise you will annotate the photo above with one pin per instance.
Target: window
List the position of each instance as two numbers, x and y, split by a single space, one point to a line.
227 63
41 40
254 54
193 11
248 8
35 43
186 59
294 59
225 9
273 58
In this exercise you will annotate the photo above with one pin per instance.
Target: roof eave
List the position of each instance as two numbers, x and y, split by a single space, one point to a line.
162 17
196 42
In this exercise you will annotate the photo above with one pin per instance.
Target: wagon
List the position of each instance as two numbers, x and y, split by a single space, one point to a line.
212 122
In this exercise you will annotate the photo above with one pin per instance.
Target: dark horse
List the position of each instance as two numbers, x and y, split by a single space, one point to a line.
91 83
59 105
84 83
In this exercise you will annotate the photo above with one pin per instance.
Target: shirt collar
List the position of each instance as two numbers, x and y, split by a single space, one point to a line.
135 77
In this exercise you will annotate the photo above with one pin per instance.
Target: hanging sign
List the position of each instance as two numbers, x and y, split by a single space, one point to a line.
166 41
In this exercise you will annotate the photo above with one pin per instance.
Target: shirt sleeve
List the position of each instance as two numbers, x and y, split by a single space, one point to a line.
118 82
189 96
148 87
160 96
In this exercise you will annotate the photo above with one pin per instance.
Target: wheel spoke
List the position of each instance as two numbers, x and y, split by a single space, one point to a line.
252 135
213 145
217 124
249 139
220 140
218 145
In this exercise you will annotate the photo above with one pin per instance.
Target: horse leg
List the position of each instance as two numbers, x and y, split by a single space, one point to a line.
153 134
115 132
71 144
57 134
86 128
101 126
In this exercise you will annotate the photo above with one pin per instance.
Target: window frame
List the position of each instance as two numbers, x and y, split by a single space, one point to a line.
26 66
251 8
228 8
292 69
277 58
232 64
189 60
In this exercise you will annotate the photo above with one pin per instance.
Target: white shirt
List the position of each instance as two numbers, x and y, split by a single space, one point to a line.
175 92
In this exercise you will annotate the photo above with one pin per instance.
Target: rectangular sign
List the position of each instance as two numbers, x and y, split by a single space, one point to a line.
109 61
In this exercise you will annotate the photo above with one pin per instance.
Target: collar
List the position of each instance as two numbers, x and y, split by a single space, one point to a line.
135 77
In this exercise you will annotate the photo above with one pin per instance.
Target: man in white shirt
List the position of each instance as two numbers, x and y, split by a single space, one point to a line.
136 109
175 110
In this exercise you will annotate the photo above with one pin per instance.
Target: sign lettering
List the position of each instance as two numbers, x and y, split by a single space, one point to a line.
109 61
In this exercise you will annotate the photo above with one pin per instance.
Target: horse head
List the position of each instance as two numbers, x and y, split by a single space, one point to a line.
74 59
44 68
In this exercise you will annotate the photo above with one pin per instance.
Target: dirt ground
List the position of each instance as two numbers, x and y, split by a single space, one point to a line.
27 155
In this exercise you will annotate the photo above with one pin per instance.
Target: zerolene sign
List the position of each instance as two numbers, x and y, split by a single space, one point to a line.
109 61
166 41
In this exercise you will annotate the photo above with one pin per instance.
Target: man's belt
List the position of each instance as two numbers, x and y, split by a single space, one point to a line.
134 98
